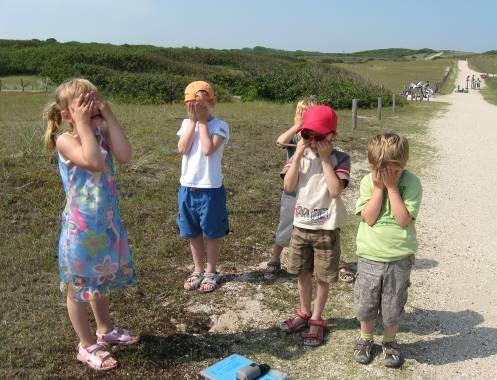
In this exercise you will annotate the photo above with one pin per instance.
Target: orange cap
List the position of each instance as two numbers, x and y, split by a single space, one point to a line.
194 87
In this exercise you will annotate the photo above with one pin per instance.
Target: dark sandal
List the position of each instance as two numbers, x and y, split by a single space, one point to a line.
315 338
272 271
296 323
345 274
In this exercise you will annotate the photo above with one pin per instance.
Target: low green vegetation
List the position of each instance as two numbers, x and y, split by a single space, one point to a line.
487 63
152 75
37 339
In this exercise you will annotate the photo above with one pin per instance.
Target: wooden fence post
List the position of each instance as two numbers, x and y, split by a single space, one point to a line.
393 102
0 85
354 113
46 84
22 85
379 108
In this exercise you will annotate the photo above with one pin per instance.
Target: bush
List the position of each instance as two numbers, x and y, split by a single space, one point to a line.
147 74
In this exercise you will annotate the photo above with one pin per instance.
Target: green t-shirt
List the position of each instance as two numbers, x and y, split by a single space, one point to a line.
386 241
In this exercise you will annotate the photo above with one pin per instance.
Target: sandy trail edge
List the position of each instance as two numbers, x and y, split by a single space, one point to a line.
454 285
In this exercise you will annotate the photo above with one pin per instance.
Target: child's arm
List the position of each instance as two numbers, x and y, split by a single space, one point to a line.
333 183
292 175
84 153
208 144
287 136
186 139
372 209
115 136
391 177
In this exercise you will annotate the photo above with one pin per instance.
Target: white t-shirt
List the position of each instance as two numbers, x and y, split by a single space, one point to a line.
198 170
315 209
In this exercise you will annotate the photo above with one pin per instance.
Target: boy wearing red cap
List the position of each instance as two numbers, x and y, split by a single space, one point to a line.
318 173
202 216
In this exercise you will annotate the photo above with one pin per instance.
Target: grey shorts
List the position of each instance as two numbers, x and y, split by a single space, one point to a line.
382 287
285 227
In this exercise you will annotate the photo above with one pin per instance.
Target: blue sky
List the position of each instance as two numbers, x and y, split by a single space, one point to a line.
316 25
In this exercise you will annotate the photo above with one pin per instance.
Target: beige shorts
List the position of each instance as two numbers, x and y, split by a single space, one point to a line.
315 251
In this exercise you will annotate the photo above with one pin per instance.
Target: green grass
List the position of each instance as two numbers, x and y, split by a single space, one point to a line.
484 63
487 63
395 75
37 339
490 92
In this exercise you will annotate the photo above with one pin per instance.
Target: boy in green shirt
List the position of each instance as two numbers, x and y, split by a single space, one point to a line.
388 202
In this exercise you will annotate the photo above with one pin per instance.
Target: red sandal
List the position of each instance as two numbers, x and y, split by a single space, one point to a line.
295 323
315 338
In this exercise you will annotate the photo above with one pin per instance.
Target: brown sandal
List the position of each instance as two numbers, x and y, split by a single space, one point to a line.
345 274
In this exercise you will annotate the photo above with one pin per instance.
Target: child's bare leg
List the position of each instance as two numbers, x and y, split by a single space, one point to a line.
305 291
213 247
367 327
197 247
391 331
101 312
322 291
276 255
78 314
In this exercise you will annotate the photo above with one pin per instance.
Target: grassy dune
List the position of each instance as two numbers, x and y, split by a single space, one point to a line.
395 75
487 63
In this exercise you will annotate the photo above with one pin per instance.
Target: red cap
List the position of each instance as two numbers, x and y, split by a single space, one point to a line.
322 120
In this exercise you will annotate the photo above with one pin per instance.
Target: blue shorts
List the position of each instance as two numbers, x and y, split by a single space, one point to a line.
202 211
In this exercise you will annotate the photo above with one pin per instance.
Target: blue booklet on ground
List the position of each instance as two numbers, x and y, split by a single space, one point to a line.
226 369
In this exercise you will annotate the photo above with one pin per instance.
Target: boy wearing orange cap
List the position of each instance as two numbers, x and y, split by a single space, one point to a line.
202 216
318 173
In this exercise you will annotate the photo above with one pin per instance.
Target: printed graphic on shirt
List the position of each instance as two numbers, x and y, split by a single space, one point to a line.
305 215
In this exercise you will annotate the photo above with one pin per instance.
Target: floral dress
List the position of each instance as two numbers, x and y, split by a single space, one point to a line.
94 254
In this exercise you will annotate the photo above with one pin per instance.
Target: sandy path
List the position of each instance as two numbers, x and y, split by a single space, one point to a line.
455 285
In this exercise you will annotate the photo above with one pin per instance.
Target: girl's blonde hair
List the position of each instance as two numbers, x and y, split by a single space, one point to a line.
306 103
388 148
53 112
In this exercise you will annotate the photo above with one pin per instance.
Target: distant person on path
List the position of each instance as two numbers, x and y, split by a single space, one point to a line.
202 216
467 81
318 173
288 140
94 254
389 200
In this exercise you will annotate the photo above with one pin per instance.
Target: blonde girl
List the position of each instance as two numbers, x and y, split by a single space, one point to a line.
94 254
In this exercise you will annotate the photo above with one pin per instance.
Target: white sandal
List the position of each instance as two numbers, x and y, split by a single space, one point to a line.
210 282
193 281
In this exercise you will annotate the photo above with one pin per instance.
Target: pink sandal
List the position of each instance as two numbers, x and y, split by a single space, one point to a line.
117 336
95 357
295 323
